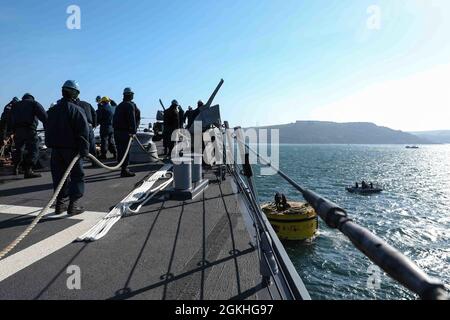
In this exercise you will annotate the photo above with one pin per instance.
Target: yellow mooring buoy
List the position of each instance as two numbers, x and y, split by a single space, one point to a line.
294 221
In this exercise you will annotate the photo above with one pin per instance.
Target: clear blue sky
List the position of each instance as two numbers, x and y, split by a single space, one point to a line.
281 60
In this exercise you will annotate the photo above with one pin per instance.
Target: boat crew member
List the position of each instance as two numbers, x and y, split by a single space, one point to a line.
364 185
91 117
356 185
67 134
23 122
125 127
5 130
171 123
105 120
371 185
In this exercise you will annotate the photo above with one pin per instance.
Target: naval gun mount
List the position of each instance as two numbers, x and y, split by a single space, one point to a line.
187 169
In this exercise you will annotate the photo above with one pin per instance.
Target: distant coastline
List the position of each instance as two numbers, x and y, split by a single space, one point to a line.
357 133
437 136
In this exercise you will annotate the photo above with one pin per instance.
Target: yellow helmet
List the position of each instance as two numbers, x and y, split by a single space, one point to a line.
105 100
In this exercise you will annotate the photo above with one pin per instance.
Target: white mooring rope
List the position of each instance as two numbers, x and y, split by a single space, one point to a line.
141 195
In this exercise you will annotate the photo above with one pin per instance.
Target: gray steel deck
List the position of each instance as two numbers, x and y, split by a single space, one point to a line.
198 249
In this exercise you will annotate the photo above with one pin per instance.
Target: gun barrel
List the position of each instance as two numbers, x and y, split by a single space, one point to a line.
213 95
162 104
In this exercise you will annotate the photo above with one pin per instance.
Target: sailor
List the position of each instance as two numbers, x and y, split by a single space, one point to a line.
105 120
200 106
364 185
171 123
278 201
91 117
67 134
196 112
356 185
188 117
98 100
181 117
111 102
137 115
125 127
5 131
371 185
284 202
23 122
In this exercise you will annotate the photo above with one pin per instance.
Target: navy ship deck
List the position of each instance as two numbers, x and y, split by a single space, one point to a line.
197 249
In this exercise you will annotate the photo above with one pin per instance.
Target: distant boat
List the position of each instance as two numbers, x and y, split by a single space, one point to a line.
368 190
412 147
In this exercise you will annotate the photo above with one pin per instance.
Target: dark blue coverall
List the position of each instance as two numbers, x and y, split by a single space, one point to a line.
91 117
171 123
23 121
67 133
124 123
105 120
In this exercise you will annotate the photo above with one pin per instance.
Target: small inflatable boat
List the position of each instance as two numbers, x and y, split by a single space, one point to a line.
367 190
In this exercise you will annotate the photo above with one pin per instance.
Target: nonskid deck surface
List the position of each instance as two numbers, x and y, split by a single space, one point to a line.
197 249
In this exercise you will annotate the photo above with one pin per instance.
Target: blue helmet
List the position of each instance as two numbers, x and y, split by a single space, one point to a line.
127 91
71 84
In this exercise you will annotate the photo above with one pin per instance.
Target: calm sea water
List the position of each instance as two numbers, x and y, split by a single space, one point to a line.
412 214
